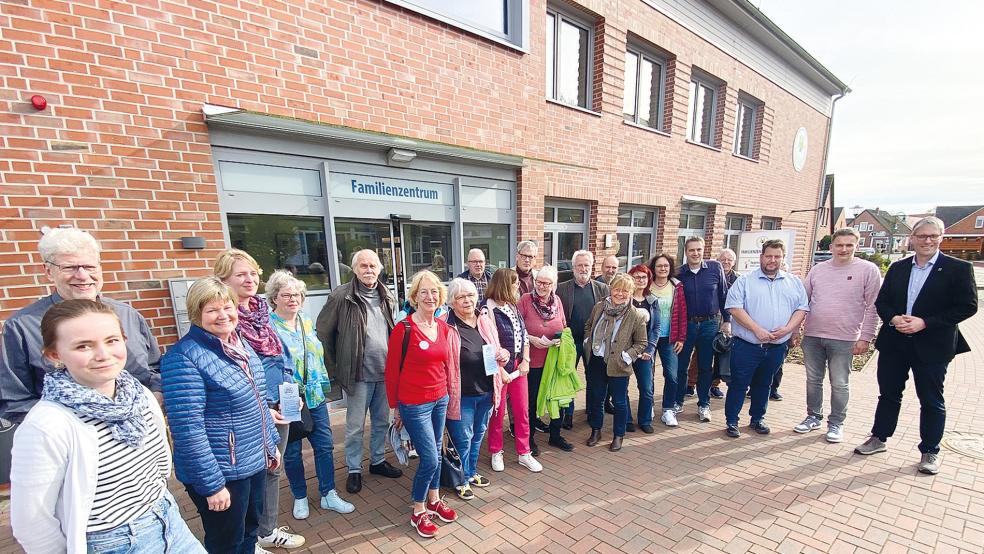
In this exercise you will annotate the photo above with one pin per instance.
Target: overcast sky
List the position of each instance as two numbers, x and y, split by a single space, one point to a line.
910 135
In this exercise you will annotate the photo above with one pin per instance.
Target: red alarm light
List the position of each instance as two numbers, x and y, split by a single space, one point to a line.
39 102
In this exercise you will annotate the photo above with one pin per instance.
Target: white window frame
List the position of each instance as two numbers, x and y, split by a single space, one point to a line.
777 223
746 104
633 230
560 17
517 20
683 233
657 61
979 222
693 133
555 228
733 234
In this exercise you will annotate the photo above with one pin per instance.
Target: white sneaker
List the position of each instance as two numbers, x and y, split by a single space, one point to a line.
809 424
704 414
333 502
530 463
835 433
669 418
281 537
301 510
497 463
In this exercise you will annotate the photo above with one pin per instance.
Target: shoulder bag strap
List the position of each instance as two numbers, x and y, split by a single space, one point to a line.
406 342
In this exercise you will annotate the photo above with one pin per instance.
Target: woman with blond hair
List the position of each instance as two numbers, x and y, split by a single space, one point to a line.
241 273
423 389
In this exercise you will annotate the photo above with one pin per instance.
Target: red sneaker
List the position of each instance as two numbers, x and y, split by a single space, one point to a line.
441 510
423 524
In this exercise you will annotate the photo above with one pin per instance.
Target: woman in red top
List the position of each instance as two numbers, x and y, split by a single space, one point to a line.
422 390
543 315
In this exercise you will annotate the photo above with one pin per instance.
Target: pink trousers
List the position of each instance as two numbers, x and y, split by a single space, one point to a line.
517 394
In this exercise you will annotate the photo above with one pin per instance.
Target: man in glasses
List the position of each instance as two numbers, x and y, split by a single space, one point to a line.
920 303
525 256
477 273
71 264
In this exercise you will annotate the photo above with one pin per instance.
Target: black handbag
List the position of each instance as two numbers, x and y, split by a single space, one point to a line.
452 474
301 429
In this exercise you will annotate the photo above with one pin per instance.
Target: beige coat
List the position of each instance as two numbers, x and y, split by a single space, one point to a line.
631 338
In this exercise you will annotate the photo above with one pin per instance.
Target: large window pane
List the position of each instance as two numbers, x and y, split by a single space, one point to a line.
490 14
491 239
548 248
570 215
648 83
269 179
428 246
352 236
746 130
624 217
642 245
623 251
294 243
706 96
629 98
572 61
568 244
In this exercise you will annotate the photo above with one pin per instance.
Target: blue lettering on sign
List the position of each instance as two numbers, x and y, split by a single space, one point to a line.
380 188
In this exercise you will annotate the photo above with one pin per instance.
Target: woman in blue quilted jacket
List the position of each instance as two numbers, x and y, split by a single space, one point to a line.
223 431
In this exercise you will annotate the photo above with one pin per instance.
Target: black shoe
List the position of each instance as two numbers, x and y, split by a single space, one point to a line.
774 395
354 483
534 449
647 429
616 444
568 422
609 408
691 392
561 444
732 431
629 427
594 438
540 426
716 392
760 428
386 470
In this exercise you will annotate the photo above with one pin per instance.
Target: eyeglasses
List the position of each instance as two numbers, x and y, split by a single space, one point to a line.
640 277
291 296
932 238
73 269
544 283
526 256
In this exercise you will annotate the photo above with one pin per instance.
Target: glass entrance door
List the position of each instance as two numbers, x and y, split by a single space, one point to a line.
353 236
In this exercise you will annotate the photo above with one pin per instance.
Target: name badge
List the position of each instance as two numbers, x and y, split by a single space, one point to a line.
290 402
424 345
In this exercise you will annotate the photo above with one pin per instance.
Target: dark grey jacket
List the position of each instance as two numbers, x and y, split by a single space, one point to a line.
342 330
565 291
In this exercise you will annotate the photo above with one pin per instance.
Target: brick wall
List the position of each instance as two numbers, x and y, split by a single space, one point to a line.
122 149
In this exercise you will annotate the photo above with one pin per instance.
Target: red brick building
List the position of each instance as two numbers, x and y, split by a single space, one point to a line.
880 229
965 237
302 131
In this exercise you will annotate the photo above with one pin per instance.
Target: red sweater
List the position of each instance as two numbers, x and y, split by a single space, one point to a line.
425 370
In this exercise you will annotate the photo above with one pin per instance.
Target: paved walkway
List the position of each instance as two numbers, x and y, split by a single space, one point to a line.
692 489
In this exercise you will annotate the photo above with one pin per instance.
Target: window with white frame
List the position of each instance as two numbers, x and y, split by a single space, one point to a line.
645 82
746 127
771 223
693 218
979 222
500 20
733 227
636 233
569 48
702 116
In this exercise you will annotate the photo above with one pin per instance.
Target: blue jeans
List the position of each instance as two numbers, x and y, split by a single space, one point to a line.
619 387
669 360
425 425
752 366
700 335
324 463
233 531
365 396
161 530
469 432
644 380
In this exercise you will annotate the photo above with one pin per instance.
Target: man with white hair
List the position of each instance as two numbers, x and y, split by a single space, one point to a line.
920 303
477 273
354 327
579 295
71 263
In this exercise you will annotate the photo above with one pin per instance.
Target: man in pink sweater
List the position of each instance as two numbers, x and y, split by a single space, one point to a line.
840 325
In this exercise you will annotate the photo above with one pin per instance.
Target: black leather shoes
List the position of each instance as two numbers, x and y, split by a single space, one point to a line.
629 427
561 444
385 469
774 395
354 483
732 431
594 438
616 444
760 428
647 429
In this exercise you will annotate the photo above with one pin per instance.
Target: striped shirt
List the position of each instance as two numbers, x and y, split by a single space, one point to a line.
129 480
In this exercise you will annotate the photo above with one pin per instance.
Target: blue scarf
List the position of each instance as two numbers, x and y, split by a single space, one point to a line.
122 414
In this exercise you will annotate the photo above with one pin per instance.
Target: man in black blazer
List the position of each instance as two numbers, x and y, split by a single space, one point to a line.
578 296
920 303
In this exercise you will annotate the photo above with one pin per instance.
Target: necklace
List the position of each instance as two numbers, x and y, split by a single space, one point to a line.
657 285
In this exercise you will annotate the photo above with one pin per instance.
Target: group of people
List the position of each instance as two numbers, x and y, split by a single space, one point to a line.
91 459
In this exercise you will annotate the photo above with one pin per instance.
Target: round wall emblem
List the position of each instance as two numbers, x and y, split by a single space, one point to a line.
800 144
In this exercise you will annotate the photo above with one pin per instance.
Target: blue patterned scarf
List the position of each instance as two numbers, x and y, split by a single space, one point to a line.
122 414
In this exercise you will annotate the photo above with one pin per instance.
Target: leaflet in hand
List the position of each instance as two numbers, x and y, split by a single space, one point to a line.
488 356
290 402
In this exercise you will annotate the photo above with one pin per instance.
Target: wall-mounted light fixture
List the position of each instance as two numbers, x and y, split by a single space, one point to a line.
399 156
193 243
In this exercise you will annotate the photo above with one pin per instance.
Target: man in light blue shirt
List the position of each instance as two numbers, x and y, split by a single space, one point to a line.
917 278
766 305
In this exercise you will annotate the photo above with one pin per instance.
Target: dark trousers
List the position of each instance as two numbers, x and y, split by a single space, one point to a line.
777 380
233 531
533 385
568 412
752 366
893 371
596 380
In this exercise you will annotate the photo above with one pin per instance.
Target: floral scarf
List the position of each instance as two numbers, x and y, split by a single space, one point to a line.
254 327
123 414
547 309
308 357
604 331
